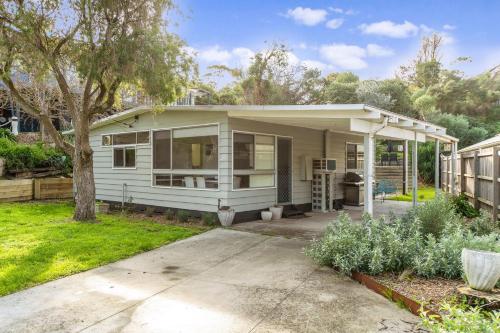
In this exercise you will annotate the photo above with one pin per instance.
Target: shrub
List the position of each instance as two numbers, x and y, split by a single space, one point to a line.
463 318
483 224
7 134
208 219
434 215
28 157
463 207
183 216
381 245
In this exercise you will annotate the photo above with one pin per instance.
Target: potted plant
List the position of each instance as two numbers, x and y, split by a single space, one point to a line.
266 215
102 207
277 211
482 268
226 215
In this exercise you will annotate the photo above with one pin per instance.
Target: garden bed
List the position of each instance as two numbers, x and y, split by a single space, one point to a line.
432 292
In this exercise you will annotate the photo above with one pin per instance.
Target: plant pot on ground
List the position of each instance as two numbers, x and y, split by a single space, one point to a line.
102 207
226 215
482 268
277 211
266 215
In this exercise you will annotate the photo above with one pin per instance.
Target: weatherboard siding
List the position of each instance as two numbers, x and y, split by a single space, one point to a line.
109 181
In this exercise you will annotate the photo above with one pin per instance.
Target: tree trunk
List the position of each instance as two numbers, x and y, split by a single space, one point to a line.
83 174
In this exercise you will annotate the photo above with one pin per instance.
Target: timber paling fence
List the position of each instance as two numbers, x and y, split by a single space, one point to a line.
477 176
38 189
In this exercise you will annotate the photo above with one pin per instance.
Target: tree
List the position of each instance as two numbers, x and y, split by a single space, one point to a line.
341 88
369 92
271 79
88 48
423 71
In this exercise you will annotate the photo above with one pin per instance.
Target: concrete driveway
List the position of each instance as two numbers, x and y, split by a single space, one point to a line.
219 281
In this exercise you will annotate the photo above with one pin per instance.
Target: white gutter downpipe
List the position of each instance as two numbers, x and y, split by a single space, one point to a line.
369 166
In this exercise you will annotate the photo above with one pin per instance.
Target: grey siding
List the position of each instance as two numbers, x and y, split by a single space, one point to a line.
109 181
306 142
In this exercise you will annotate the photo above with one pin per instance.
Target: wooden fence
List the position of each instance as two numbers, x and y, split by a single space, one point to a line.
477 176
41 188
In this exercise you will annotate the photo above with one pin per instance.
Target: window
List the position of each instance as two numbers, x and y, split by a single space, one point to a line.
243 151
190 153
195 148
131 138
253 161
124 157
161 150
354 156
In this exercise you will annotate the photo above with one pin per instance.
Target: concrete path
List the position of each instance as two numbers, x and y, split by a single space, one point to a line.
315 224
219 281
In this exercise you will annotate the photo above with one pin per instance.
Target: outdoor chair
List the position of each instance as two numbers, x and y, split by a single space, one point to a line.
383 188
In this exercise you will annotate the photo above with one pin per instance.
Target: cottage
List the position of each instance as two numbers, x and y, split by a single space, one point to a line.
248 157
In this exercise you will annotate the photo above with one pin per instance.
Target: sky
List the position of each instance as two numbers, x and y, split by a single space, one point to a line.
371 38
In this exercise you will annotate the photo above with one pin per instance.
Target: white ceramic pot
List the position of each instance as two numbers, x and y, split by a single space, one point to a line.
276 211
266 215
482 268
226 217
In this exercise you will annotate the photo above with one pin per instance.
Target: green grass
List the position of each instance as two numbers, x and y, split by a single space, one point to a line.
40 242
423 194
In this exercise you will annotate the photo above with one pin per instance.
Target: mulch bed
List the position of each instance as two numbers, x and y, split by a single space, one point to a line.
432 292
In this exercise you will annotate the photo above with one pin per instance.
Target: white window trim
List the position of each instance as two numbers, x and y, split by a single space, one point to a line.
256 172
129 144
124 167
171 171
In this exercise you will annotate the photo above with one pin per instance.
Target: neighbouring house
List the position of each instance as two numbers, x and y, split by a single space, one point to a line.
248 157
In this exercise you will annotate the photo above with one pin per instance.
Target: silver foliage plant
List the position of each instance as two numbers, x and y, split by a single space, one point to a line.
394 244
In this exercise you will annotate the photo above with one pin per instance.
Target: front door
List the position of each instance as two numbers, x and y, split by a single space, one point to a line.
284 170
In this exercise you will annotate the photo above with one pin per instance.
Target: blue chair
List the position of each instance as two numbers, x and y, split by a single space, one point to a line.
384 187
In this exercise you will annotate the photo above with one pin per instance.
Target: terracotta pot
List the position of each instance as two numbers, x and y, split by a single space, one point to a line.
277 212
482 268
226 217
266 215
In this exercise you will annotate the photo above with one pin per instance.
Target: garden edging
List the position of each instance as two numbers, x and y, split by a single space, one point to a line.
413 306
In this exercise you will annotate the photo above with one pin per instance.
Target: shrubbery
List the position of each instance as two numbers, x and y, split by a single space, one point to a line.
463 318
29 157
463 207
428 240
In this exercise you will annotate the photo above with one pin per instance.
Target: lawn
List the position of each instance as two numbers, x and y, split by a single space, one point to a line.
424 193
40 242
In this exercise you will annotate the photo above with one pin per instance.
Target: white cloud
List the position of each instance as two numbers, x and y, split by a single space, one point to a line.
302 46
314 64
344 56
447 38
244 56
293 60
334 23
342 11
390 29
336 10
449 27
375 50
307 16
215 54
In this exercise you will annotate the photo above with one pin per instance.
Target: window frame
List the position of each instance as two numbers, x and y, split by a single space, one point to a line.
187 172
253 171
124 147
128 144
356 154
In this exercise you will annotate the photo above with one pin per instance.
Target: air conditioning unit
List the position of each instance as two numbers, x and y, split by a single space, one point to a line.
325 164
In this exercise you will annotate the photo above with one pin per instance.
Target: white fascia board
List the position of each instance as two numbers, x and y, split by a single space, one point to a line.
363 126
430 129
305 114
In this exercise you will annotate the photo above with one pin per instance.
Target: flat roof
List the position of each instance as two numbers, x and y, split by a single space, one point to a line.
289 113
